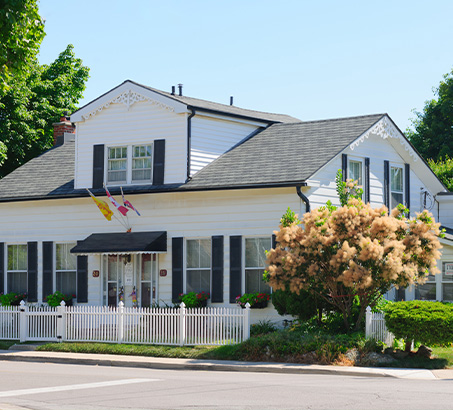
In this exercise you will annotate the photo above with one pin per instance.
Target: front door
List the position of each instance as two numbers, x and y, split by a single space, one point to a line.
131 279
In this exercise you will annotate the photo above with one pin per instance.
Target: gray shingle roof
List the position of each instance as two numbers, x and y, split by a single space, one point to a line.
214 107
50 174
282 154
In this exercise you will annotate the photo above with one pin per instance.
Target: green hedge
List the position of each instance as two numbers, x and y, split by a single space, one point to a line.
430 323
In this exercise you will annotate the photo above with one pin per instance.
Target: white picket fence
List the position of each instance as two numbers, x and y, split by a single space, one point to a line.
375 327
163 326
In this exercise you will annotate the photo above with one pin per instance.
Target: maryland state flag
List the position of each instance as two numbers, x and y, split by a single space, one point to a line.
103 207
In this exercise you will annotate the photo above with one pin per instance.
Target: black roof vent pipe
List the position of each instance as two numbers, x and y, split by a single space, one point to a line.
180 89
231 100
173 90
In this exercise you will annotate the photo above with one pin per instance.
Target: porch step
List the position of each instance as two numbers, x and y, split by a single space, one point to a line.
24 347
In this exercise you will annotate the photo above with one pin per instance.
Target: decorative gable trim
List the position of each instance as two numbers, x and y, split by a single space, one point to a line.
385 128
127 94
128 98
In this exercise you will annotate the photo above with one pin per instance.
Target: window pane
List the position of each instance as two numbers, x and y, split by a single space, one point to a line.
255 251
65 259
205 253
66 282
193 254
113 268
396 199
254 281
17 257
447 291
355 171
198 281
146 267
426 291
446 269
396 175
17 282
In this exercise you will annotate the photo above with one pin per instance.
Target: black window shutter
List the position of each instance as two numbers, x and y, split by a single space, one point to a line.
47 269
177 268
235 267
159 162
32 251
407 185
367 180
274 241
2 267
217 269
98 166
82 279
387 184
344 166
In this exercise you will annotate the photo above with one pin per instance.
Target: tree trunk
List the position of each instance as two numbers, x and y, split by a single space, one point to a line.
408 345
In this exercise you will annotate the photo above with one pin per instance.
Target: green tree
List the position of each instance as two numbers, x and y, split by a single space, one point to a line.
443 168
33 102
21 33
433 133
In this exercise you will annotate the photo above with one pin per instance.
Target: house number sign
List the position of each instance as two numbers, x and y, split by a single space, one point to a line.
449 268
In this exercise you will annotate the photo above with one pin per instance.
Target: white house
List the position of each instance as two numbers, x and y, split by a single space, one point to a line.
210 182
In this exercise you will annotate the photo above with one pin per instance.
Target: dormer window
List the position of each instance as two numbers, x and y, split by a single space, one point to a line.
141 162
117 165
129 164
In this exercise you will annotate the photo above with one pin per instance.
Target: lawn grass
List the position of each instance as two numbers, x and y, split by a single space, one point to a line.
278 346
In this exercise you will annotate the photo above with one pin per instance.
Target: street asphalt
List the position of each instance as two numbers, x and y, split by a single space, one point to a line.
218 365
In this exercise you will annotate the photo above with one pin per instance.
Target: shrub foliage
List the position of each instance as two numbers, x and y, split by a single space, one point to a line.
421 321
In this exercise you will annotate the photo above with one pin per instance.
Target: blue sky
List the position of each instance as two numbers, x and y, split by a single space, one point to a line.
309 59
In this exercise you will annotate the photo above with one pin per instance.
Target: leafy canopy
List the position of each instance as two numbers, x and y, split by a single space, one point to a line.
21 33
433 127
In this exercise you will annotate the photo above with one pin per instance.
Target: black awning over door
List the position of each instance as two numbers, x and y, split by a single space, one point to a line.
124 242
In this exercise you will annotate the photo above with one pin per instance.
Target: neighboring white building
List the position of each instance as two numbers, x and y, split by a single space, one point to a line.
210 181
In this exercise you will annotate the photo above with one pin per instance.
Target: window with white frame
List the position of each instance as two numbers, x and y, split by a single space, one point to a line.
198 265
129 164
447 281
255 263
141 162
355 172
17 268
396 186
65 269
427 291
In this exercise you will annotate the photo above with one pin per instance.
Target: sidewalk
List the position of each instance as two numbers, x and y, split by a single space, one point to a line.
219 365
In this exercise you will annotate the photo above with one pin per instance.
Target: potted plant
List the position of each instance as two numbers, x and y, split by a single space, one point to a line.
55 299
256 300
12 298
194 299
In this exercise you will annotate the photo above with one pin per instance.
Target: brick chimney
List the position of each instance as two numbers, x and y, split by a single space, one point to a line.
61 128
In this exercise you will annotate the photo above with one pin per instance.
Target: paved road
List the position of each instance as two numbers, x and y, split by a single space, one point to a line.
79 387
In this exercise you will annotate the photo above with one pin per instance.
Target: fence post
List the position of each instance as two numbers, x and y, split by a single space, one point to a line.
182 324
61 322
246 321
23 322
120 321
368 317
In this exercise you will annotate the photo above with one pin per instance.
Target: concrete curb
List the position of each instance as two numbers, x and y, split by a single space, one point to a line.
209 365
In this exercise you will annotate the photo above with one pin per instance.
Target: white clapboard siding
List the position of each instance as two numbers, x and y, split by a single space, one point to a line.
142 123
323 185
189 215
212 137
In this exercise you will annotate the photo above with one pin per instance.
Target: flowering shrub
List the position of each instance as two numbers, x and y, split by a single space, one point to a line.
12 299
55 299
254 299
353 251
193 299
